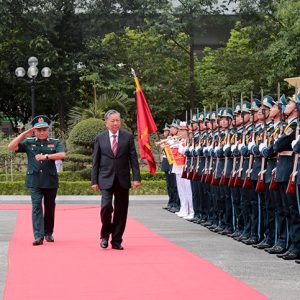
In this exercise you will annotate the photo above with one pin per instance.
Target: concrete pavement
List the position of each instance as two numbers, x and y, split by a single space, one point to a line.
274 277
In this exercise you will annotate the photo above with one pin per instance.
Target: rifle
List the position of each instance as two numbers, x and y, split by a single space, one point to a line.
196 176
274 185
238 179
223 180
190 170
203 175
214 180
184 170
247 182
260 185
292 185
208 176
235 132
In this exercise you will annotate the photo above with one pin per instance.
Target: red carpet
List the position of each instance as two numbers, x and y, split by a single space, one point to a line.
75 267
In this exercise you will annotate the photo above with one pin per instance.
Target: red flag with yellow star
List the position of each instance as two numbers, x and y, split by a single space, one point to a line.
146 126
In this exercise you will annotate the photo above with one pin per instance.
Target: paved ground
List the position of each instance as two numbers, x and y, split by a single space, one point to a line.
276 278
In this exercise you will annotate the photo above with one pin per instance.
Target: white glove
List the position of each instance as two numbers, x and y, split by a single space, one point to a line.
227 146
182 149
262 146
294 142
216 149
209 148
250 145
204 149
233 147
240 146
191 148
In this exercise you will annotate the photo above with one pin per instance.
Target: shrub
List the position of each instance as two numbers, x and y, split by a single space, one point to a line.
85 132
82 188
81 158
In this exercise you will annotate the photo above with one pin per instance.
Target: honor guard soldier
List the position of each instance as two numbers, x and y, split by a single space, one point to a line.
212 221
264 176
267 150
242 148
283 171
165 167
231 150
175 205
296 149
183 184
252 173
41 175
201 216
192 152
225 168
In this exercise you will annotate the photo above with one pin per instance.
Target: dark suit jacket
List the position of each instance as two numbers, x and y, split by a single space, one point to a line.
106 166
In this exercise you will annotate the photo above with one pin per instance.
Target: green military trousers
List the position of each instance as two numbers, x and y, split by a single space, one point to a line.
43 223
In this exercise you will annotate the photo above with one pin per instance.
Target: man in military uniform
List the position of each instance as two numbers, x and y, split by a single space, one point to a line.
41 175
165 167
283 145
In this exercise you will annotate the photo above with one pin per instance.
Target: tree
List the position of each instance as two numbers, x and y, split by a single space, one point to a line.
161 66
97 109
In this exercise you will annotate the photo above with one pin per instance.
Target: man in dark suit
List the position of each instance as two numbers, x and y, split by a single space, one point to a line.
113 157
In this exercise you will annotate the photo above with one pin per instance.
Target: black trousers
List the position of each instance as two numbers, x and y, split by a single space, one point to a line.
114 218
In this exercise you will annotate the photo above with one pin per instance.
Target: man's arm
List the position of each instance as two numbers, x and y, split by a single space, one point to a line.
134 164
95 165
54 156
14 144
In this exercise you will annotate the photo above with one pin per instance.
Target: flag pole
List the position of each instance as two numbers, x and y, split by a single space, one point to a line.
139 88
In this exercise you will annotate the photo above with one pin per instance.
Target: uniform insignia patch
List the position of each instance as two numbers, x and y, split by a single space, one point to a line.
288 131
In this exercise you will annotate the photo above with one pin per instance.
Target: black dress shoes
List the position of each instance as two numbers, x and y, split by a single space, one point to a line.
104 243
275 250
117 247
49 238
250 241
290 256
297 261
37 242
262 245
226 232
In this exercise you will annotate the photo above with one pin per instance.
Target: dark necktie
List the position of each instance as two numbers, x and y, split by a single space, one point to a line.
114 144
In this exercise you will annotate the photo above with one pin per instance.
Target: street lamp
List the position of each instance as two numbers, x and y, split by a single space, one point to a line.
32 73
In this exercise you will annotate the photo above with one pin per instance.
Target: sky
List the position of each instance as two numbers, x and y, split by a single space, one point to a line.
230 7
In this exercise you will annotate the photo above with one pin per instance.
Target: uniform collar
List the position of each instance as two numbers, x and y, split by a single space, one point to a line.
292 120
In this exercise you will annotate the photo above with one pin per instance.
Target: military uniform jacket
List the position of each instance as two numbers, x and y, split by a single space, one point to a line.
284 143
297 151
40 174
248 129
202 141
268 153
257 157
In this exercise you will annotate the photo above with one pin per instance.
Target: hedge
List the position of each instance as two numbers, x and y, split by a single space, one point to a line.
157 187
82 175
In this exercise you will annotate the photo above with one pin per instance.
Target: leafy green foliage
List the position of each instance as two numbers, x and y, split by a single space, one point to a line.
85 132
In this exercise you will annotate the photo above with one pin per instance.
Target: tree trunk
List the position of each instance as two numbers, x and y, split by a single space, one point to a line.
62 109
192 73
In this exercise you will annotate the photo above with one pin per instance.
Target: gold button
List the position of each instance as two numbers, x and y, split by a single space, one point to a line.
41 171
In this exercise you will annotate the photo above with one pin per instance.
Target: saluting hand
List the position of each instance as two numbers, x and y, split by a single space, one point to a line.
28 132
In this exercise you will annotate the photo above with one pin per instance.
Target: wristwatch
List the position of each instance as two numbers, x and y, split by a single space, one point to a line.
46 155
